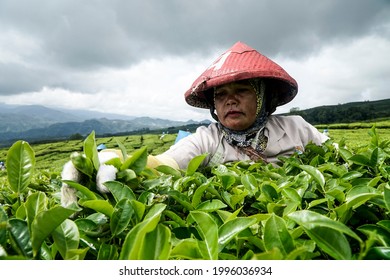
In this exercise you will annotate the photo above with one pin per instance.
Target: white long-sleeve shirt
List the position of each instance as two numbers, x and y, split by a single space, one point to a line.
286 135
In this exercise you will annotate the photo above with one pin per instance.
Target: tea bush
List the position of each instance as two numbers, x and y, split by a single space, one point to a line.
326 203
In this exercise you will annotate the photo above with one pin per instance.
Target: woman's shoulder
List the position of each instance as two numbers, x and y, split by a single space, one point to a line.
211 129
296 126
286 120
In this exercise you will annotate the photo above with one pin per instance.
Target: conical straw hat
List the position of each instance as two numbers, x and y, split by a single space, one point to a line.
242 62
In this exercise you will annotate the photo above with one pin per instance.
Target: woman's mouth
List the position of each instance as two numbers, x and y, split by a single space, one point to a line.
233 113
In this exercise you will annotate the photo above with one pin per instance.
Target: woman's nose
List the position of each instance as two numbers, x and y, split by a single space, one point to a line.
231 99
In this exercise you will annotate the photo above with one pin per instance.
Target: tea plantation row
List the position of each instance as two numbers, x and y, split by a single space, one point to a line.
331 202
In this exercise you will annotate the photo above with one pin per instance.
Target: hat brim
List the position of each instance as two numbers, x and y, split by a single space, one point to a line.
282 92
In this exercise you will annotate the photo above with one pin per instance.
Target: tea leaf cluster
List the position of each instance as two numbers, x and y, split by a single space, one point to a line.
326 203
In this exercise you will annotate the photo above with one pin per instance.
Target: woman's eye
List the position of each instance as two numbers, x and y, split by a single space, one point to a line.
219 95
242 90
237 92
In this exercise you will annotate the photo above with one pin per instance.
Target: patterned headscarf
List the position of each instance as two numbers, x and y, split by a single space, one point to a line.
243 139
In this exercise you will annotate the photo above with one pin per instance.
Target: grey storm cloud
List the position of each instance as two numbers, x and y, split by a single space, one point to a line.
83 36
119 32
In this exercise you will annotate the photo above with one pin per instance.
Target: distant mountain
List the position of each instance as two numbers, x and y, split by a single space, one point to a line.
83 115
21 118
38 123
17 118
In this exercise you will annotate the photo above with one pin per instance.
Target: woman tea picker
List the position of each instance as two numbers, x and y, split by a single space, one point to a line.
242 88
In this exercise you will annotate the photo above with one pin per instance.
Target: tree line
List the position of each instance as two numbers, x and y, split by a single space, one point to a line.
345 113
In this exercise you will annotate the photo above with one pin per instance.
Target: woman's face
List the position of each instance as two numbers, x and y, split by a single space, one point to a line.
236 105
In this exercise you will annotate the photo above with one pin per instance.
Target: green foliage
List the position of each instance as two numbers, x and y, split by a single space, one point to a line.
346 113
326 203
20 163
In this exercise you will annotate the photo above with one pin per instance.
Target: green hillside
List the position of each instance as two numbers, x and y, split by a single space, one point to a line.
53 155
345 113
326 203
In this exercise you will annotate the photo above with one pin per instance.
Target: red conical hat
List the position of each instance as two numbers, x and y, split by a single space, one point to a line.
242 62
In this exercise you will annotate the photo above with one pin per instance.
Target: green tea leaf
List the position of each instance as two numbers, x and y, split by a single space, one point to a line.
310 220
375 158
374 181
303 251
187 249
132 248
169 171
378 253
276 235
108 252
338 170
66 237
225 176
331 241
122 148
345 154
88 227
386 196
3 226
292 195
314 173
208 230
384 224
174 217
20 237
269 192
378 233
250 183
126 175
139 209
82 164
182 199
46 253
20 166
359 195
120 190
227 216
273 254
34 204
21 212
351 175
137 161
45 223
101 206
121 216
157 245
327 234
84 190
90 150
77 254
360 160
239 197
211 206
316 202
194 164
199 192
231 229
374 136
116 162
227 180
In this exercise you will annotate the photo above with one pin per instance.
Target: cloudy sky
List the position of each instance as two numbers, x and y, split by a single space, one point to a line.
138 57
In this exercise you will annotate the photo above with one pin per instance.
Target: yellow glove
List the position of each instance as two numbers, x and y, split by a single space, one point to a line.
154 161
